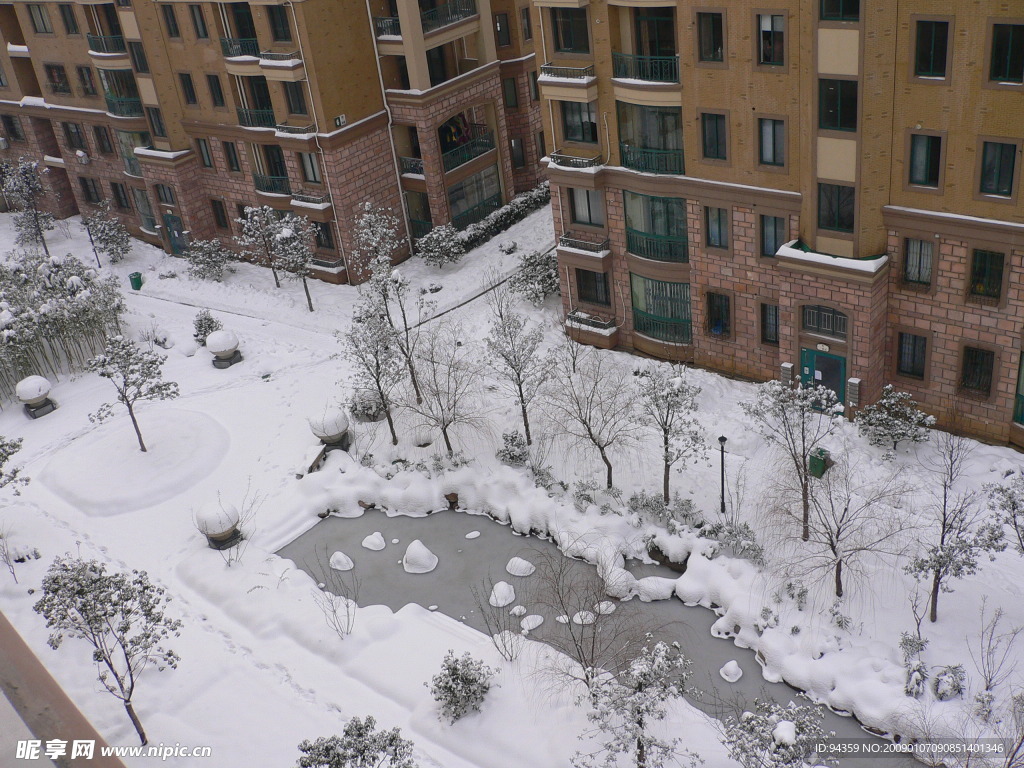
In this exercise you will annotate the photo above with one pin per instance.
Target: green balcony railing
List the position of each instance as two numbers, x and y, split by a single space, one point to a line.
481 143
568 241
477 212
387 26
256 118
658 69
240 46
563 160
418 228
446 14
124 106
277 185
1018 410
662 328
106 43
658 247
651 160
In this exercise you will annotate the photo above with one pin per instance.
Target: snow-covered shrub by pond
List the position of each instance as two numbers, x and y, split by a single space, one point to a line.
949 682
514 451
537 276
460 686
204 324
441 245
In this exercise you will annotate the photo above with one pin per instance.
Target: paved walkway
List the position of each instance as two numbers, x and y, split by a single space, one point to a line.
41 706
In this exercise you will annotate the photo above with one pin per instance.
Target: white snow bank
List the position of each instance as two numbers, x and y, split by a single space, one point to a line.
32 388
731 672
784 732
374 541
604 608
418 559
341 562
502 594
517 566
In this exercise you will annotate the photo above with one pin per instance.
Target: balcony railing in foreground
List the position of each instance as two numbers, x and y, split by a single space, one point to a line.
256 118
412 165
477 212
658 247
657 69
387 26
572 161
667 329
106 43
124 106
567 73
482 141
568 241
419 228
277 185
239 46
446 14
651 160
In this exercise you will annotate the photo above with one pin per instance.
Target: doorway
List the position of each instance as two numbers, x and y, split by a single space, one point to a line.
825 369
175 233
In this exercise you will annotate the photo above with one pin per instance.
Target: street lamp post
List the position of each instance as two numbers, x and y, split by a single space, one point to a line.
721 442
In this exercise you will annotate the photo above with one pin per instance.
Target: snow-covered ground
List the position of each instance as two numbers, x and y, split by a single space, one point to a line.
261 671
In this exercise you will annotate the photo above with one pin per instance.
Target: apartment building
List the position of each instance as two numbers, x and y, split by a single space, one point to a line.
826 190
181 114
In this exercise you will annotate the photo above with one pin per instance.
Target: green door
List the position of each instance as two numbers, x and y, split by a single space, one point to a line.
175 233
825 369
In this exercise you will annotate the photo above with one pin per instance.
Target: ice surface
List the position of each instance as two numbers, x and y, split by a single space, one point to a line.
502 594
517 566
731 672
418 559
374 541
341 562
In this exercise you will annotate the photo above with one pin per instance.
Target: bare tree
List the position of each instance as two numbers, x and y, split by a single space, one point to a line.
503 627
391 291
258 238
371 347
993 656
337 597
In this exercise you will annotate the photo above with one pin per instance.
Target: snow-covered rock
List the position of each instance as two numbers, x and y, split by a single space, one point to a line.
502 594
341 562
531 622
330 425
32 389
222 343
216 519
731 672
473 535
374 541
517 566
604 608
519 610
418 559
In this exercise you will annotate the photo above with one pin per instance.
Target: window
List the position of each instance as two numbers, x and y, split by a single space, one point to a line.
310 167
280 29
164 194
124 3
156 121
138 56
835 207
772 146
718 314
910 355
216 92
976 371
824 320
770 42
710 39
925 160
587 206
986 274
716 222
40 19
770 324
930 55
661 310
240 210
656 227
198 22
570 27
534 90
103 139
526 23
518 153
997 166
437 68
188 88
4 84
120 194
1007 53
12 127
231 155
57 77
203 149
170 21
220 214
502 33
917 262
508 86
296 98
68 18
713 132
840 10
541 144
773 234
592 287
74 135
322 233
837 105
90 190
579 121
86 80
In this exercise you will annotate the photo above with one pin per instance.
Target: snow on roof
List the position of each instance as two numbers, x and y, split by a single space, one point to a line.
554 80
956 216
161 153
283 63
869 266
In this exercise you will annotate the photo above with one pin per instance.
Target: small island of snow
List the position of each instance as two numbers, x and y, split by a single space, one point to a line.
519 567
374 541
341 562
502 594
418 559
731 672
531 622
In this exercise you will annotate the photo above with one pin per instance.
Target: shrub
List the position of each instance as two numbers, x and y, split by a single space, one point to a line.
949 682
537 277
204 325
509 247
503 218
738 537
441 245
514 452
460 686
208 260
366 406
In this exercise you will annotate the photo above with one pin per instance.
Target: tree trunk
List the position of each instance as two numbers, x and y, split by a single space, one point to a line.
839 578
391 425
412 377
668 468
136 722
39 231
447 442
138 433
805 497
305 287
526 419
608 466
641 753
933 614
93 244
277 280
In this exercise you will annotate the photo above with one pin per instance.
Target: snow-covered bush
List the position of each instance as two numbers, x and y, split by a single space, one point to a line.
775 736
441 245
460 686
652 508
912 647
207 259
366 406
204 325
509 247
949 682
1007 501
739 538
514 451
109 237
894 417
23 188
839 619
537 276
518 209
797 592
10 475
359 746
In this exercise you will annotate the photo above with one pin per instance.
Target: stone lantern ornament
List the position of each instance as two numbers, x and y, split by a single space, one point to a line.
331 428
34 393
219 524
224 346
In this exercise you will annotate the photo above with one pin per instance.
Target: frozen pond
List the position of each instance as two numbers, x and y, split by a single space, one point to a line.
465 565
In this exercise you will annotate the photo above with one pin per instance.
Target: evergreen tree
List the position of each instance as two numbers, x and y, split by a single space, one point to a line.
293 250
359 746
537 276
894 417
1007 501
204 325
10 475
775 736
441 245
107 235
376 235
207 259
24 188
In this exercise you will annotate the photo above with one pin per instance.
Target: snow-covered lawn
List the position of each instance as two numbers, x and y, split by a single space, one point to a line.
260 669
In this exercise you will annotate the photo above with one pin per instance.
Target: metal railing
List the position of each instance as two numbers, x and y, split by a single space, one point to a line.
585 318
124 106
481 143
662 328
387 26
279 56
106 43
651 160
277 185
572 161
567 241
567 73
240 46
295 129
418 228
1018 409
411 165
477 212
446 14
256 118
59 87
658 69
303 197
672 248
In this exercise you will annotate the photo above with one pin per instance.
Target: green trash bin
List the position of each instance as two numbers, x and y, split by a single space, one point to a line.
135 278
818 462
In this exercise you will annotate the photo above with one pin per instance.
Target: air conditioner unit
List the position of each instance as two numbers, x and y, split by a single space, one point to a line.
82 157
4 143
340 120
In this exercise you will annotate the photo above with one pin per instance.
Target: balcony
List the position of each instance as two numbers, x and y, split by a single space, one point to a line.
106 43
651 160
303 197
477 212
279 56
124 106
240 46
413 165
295 130
563 160
481 143
567 73
656 69
387 26
275 185
61 87
595 330
419 228
668 329
256 118
446 14
567 241
669 248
